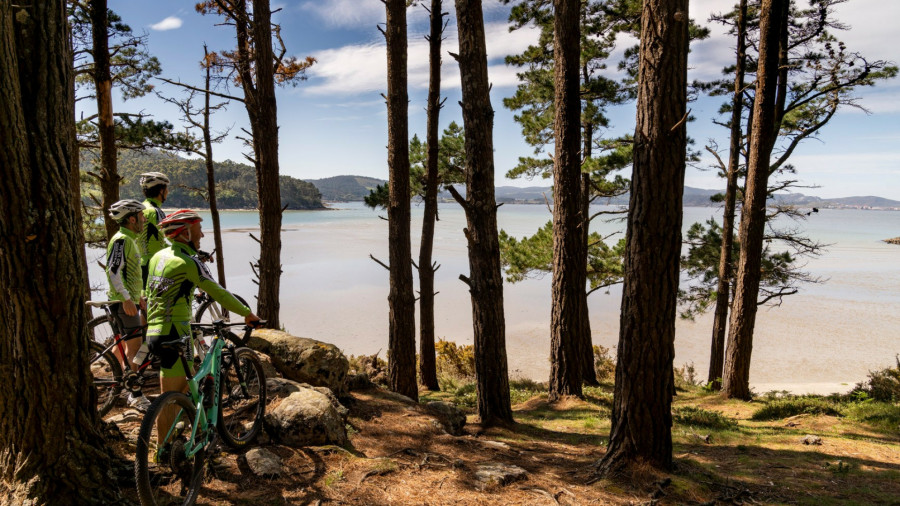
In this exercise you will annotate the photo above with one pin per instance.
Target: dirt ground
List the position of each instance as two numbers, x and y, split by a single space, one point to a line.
398 454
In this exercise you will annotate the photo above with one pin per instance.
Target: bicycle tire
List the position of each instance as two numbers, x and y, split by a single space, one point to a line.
101 330
159 474
204 311
241 407
107 377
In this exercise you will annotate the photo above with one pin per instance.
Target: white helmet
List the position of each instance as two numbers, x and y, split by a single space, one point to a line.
125 208
151 179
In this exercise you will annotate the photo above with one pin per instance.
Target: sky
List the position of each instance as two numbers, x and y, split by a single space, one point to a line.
335 122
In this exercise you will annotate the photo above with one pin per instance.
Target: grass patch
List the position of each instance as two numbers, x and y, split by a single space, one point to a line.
698 417
791 406
881 415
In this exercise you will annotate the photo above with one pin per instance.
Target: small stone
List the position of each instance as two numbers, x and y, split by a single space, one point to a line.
811 440
263 462
497 445
494 473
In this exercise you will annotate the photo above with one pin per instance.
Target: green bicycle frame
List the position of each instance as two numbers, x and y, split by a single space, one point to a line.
204 417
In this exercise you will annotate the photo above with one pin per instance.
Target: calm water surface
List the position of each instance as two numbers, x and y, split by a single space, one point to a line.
823 339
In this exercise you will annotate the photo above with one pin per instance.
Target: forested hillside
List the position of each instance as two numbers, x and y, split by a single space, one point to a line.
346 188
235 182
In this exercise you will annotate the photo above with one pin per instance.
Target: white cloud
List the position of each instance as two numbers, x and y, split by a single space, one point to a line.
347 13
362 68
170 23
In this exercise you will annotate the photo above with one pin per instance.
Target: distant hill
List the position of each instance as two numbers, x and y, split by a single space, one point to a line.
235 182
694 197
346 188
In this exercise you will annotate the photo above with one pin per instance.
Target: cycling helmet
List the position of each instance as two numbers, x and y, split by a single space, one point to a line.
176 222
125 208
151 179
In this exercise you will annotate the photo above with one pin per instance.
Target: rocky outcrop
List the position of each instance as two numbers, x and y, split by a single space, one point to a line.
303 360
305 415
895 240
451 418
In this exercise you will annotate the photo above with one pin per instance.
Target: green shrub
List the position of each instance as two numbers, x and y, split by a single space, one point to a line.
791 406
698 417
453 360
883 385
604 364
686 376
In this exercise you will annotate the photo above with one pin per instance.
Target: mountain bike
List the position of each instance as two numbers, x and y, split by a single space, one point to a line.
226 400
109 378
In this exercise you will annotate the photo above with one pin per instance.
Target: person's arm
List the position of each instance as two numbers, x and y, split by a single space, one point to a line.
201 277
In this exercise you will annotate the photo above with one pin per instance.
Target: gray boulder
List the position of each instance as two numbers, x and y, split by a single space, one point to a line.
281 388
451 418
262 462
306 417
303 360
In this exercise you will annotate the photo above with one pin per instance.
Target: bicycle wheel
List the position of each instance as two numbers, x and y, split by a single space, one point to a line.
101 330
241 404
107 375
211 311
162 470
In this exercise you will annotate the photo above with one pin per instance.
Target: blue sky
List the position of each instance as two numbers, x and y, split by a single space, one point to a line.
335 122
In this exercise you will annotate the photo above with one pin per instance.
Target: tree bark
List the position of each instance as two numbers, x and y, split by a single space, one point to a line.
106 130
753 219
485 280
569 246
402 328
641 415
723 292
211 177
258 81
427 359
49 448
586 345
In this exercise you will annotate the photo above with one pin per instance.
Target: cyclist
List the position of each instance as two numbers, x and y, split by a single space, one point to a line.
173 274
155 186
123 262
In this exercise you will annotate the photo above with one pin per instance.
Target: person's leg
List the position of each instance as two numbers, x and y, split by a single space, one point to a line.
172 378
131 325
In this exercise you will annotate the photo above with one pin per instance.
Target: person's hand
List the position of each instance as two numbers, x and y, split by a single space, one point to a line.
129 307
144 303
251 320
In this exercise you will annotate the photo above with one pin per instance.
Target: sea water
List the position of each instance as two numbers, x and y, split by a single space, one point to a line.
824 339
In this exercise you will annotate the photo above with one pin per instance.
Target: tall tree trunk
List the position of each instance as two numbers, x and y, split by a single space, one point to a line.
106 131
427 360
569 247
485 280
211 177
642 415
402 338
49 448
723 292
265 138
586 345
753 219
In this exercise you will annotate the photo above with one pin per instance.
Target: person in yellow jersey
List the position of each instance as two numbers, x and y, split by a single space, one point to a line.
123 270
173 274
155 186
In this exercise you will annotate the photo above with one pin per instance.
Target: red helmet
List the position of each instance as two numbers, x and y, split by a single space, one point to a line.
176 222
